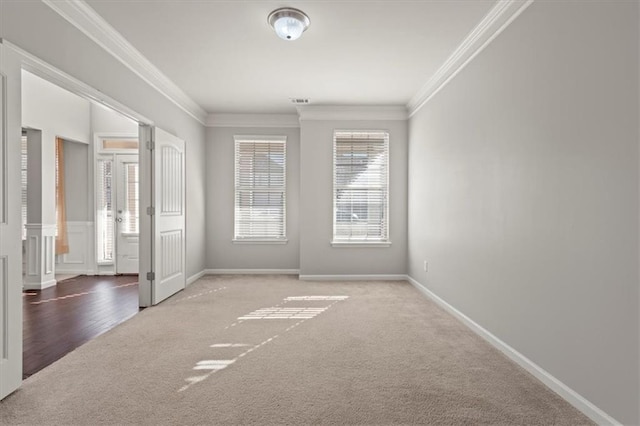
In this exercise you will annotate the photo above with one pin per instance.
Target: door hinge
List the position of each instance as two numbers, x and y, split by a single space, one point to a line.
151 276
151 211
151 145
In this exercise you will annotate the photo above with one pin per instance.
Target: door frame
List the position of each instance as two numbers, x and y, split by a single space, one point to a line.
48 72
100 153
121 161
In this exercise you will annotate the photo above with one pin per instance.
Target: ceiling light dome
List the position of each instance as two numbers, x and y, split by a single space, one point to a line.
288 23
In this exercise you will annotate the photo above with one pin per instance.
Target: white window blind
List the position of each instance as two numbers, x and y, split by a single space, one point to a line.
105 218
131 209
360 186
23 181
260 188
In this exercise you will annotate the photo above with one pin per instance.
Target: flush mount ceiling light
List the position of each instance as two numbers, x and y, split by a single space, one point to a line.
289 23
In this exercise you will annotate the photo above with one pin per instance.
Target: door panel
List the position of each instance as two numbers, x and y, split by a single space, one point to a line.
10 223
169 220
127 214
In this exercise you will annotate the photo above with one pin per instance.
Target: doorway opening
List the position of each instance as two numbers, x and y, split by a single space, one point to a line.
80 220
117 213
57 107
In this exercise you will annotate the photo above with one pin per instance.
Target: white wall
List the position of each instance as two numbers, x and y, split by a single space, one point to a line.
317 256
523 195
222 253
57 113
36 28
105 120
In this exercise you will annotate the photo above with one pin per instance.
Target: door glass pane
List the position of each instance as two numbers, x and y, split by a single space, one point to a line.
130 215
117 144
105 211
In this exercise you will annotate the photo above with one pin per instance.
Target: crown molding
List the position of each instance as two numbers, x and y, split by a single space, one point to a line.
52 74
352 113
253 120
498 18
87 20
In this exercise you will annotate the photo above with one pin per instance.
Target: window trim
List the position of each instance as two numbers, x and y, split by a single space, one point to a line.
259 240
361 243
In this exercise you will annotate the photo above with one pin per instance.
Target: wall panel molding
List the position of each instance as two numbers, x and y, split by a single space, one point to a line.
4 308
40 256
78 260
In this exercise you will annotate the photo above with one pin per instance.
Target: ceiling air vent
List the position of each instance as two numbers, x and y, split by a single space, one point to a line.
299 101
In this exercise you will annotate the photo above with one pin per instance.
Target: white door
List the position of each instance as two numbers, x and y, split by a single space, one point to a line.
10 223
127 214
163 226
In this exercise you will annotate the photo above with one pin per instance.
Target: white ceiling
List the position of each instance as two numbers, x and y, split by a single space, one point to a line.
225 56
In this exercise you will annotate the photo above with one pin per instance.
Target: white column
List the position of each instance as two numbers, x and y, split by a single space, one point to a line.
40 264
41 210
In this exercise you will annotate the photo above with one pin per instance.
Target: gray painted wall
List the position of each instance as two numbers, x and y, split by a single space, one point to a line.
76 176
36 28
222 253
523 195
317 256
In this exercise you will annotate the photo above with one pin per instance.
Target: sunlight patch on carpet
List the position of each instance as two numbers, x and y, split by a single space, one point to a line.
316 298
214 364
284 313
302 314
229 345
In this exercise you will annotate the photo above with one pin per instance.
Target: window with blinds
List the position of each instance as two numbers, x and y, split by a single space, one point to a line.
260 188
360 186
23 183
105 218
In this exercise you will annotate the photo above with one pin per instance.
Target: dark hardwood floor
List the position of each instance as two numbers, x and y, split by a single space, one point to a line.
59 319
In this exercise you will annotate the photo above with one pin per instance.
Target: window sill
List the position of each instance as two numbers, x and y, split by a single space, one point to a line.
361 244
258 241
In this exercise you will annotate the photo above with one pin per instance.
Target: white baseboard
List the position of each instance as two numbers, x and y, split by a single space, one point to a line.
75 272
251 271
39 286
195 277
374 277
571 396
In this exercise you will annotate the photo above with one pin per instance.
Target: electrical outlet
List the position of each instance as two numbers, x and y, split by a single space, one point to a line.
426 266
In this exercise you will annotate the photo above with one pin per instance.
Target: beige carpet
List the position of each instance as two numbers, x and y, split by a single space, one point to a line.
258 350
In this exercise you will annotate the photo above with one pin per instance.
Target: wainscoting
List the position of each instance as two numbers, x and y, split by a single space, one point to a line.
39 249
80 259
